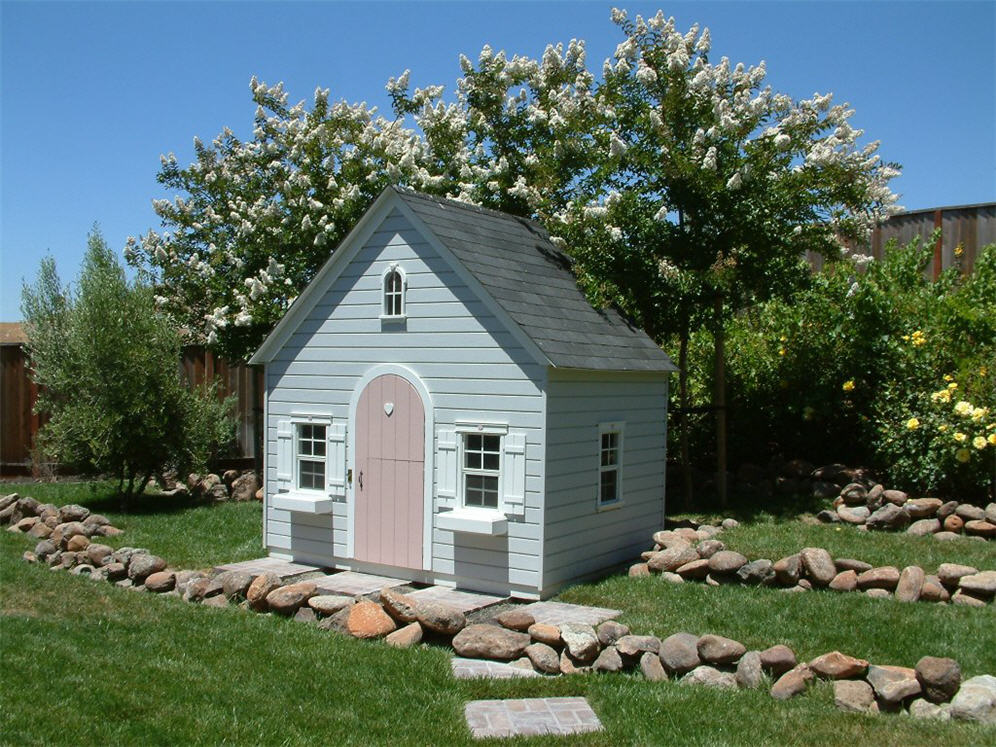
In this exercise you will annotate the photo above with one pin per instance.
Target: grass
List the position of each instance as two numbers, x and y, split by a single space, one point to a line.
134 668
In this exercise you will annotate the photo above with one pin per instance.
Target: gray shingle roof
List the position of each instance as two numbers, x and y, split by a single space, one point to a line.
525 273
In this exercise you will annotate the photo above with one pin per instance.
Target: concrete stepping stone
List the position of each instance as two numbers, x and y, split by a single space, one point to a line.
351 583
559 613
471 669
283 568
465 601
530 717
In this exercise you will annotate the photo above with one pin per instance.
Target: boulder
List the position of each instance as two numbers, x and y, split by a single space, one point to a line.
235 584
671 578
367 620
951 573
939 677
73 512
305 615
976 700
856 696
218 600
844 581
479 641
679 653
45 548
726 562
329 604
981 584
888 517
749 672
990 512
544 658
924 527
707 548
203 588
96 520
286 600
968 512
980 528
715 649
818 565
609 632
838 666
183 578
98 554
893 685
245 486
954 524
260 589
850 564
879 593
854 494
440 618
546 633
778 659
581 641
570 665
108 531
160 582
697 570
639 569
933 591
792 683
884 577
827 516
608 660
672 558
77 543
142 565
756 572
922 508
115 571
895 497
516 619
910 584
788 570
853 514
651 668
399 606
710 677
635 646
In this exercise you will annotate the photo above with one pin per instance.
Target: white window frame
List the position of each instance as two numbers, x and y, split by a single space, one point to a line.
297 457
384 291
619 428
480 429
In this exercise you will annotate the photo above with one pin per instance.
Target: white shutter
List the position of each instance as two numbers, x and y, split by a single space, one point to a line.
447 468
285 442
335 460
514 474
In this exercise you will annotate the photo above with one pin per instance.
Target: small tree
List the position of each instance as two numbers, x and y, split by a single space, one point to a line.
107 365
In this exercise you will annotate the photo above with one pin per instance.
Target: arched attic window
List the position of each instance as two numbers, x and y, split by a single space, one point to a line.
394 284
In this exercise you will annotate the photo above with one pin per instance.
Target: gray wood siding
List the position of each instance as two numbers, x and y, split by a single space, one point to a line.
579 539
472 366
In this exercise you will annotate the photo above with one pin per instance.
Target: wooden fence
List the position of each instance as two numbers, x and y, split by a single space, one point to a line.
19 424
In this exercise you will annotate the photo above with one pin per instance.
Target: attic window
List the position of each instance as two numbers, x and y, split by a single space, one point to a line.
394 294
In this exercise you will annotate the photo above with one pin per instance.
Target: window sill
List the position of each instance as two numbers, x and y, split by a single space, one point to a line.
399 319
303 503
474 521
609 506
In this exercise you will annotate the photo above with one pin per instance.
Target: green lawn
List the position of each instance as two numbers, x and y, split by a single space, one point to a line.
87 663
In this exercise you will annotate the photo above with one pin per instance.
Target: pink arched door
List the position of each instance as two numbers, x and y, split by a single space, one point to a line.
389 482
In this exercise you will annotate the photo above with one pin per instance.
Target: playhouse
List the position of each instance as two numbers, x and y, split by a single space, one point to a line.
442 404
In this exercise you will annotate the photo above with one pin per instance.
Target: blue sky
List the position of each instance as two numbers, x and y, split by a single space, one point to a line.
94 92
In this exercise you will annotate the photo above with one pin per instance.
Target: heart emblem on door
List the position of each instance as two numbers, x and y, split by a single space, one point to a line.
388 408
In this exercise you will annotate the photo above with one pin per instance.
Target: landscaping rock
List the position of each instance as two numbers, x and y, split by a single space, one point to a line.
29 557
828 517
634 646
696 570
792 683
305 615
26 524
84 569
245 486
853 514
235 584
976 700
336 622
77 543
951 573
884 577
756 572
329 604
778 659
921 708
893 685
581 641
924 527
707 548
115 571
108 531
895 497
980 528
967 599
608 632
933 591
856 696
910 584
41 530
547 634
850 564
788 570
854 494
824 489
96 521
287 599
160 582
399 606
729 523
544 658
218 600
202 589
672 558
99 555
440 618
260 589
939 677
73 512
968 512
405 637
639 569
570 665
818 565
680 653
366 620
838 666
651 668
954 524
749 674
516 619
879 593
671 578
715 649
981 584
710 677
922 508
183 578
480 641
990 512
608 660
888 517
845 581
142 565
726 562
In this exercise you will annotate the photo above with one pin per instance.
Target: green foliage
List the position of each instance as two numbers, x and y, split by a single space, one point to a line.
107 365
838 371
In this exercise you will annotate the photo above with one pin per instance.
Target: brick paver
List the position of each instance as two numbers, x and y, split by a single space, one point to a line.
283 568
468 669
465 601
351 583
558 613
530 717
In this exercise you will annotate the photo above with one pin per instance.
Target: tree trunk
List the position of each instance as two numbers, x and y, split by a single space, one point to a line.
686 462
719 400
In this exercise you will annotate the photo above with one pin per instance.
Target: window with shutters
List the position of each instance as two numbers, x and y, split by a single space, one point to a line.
610 444
481 469
310 456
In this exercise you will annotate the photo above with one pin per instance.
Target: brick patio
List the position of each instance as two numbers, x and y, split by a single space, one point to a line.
530 717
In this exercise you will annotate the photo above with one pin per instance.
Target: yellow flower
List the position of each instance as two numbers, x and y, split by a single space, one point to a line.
979 443
912 424
983 371
848 385
948 377
783 338
953 385
959 250
918 338
979 414
992 439
960 437
964 409
942 427
781 351
942 396
963 455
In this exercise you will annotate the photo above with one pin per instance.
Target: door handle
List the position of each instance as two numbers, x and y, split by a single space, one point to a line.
360 479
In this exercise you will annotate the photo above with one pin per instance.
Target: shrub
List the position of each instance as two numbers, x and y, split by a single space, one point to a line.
107 366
